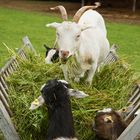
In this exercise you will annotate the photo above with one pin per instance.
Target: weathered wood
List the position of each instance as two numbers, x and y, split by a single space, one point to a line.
134 6
112 56
134 93
4 91
132 130
5 103
28 44
13 66
130 116
6 126
4 83
136 100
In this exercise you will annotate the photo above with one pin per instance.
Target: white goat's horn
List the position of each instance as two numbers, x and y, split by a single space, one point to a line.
83 9
62 10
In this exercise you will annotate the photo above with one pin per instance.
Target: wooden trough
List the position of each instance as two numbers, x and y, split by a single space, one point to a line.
7 129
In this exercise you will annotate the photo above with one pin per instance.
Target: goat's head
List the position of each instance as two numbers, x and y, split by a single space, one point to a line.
55 92
108 124
68 34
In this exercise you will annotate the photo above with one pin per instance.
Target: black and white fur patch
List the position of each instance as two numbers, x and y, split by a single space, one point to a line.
52 55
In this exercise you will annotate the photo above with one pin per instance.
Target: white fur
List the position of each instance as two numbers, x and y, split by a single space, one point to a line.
106 110
86 40
42 87
63 81
49 56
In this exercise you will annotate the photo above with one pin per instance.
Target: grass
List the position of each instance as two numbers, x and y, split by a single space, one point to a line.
15 24
109 89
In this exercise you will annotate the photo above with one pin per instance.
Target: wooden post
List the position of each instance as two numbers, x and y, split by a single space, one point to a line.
134 6
6 127
132 130
82 3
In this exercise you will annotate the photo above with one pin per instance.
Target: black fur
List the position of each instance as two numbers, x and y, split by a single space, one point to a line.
55 56
59 110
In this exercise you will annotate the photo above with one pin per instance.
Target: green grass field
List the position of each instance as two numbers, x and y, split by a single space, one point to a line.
16 24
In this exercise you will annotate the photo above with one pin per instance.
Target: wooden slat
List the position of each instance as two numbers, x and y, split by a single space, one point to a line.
3 83
5 103
13 67
132 130
130 116
6 126
112 56
136 100
28 44
134 93
4 92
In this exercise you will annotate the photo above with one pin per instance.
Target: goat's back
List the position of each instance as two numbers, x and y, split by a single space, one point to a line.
93 18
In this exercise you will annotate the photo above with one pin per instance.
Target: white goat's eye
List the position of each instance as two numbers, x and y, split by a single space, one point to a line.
77 37
57 34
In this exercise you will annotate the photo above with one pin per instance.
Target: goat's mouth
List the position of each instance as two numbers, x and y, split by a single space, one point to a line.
64 60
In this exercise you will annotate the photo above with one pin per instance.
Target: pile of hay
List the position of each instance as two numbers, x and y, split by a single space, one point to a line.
110 88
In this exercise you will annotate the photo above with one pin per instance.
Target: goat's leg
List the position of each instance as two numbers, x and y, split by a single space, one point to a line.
91 73
82 74
65 71
77 79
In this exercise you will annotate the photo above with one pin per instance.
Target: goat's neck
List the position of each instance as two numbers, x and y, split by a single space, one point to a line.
60 122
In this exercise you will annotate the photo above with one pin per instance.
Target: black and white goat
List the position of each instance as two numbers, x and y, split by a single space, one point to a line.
108 125
56 96
52 54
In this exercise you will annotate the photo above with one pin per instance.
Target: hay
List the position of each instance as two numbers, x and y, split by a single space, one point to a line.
110 88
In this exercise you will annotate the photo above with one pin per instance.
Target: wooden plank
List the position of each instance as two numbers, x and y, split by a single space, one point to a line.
132 130
5 103
130 116
23 55
6 125
13 66
28 44
6 73
3 83
4 91
20 53
136 100
112 56
134 93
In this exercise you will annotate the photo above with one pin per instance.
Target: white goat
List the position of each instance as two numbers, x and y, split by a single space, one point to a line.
84 38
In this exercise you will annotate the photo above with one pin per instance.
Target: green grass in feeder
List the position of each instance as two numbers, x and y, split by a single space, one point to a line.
110 88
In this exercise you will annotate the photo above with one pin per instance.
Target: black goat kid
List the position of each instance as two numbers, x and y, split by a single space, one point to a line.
56 96
52 55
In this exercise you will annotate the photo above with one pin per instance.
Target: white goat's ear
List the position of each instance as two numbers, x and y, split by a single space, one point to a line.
77 93
37 103
85 27
53 25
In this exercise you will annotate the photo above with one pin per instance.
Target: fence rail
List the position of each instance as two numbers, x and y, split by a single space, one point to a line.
7 127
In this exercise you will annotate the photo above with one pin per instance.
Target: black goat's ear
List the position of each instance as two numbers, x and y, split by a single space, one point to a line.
77 93
46 47
37 103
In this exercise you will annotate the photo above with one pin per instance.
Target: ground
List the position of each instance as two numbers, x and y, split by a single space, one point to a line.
117 15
